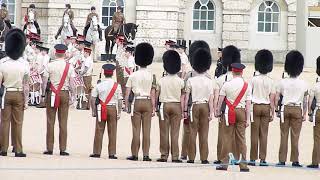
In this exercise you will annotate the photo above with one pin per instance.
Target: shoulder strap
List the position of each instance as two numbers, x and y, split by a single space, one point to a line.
241 94
110 95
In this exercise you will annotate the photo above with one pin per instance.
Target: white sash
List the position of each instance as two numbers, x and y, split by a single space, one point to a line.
3 98
132 107
251 114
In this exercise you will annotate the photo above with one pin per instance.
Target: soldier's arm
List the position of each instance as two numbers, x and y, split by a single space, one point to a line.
211 106
248 112
277 98
219 105
311 97
272 105
185 104
126 100
153 100
305 105
182 98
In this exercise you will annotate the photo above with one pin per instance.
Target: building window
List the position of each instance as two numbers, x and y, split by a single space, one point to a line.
203 15
109 7
11 6
268 17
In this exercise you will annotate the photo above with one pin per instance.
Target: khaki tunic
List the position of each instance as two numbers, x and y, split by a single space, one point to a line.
170 88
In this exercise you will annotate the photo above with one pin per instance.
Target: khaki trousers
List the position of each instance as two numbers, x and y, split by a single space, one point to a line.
63 111
185 139
235 133
142 114
316 138
199 125
88 87
292 122
12 113
259 131
120 77
112 132
170 125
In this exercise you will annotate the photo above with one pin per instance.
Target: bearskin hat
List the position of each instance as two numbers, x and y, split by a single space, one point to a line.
318 66
171 62
294 63
15 43
32 6
264 61
196 45
230 54
202 60
144 54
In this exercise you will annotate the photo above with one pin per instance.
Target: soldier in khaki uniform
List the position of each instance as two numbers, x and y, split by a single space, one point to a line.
191 73
230 55
201 111
86 71
294 92
106 100
118 20
90 15
170 93
237 95
14 76
263 96
4 14
315 118
70 13
60 74
142 83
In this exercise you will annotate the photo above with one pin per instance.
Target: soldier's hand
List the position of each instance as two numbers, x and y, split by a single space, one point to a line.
185 115
153 112
25 106
304 118
212 116
247 124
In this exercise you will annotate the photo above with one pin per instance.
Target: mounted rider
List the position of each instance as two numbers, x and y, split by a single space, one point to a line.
68 11
118 20
31 18
4 14
88 21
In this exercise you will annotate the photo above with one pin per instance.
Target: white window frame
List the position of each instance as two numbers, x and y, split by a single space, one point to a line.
15 9
110 15
207 19
272 21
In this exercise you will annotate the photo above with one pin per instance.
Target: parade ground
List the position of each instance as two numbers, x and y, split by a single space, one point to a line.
81 128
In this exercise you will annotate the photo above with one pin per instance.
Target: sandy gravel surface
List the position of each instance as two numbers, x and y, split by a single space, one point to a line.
80 142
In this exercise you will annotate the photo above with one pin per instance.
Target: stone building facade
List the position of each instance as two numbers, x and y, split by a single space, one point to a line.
244 23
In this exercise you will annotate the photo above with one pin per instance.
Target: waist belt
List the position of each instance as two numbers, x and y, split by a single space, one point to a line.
142 97
112 104
14 89
200 102
293 105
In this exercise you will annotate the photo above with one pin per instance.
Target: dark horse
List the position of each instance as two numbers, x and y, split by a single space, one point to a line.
129 30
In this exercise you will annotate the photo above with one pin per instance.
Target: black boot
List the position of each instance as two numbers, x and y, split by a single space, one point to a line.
146 158
95 156
48 153
20 154
63 153
313 166
113 157
3 153
132 158
58 33
296 164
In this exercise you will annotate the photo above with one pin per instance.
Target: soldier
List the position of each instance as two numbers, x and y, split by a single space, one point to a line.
220 70
14 76
60 74
237 95
129 65
43 64
201 111
315 118
68 11
184 60
169 91
120 61
107 98
230 55
4 14
34 19
142 83
118 20
86 72
263 96
168 44
191 73
90 15
294 92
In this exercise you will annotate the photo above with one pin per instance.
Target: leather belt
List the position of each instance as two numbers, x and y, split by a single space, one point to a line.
14 89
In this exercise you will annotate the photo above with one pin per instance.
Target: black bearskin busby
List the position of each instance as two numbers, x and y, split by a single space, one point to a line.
264 61
294 63
15 43
318 66
171 62
143 54
230 54
196 45
202 60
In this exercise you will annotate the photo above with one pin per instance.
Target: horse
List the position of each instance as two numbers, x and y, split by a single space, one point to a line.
3 30
93 34
31 25
129 30
66 29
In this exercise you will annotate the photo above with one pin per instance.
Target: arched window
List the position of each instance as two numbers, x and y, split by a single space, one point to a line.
109 7
203 15
11 6
268 17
